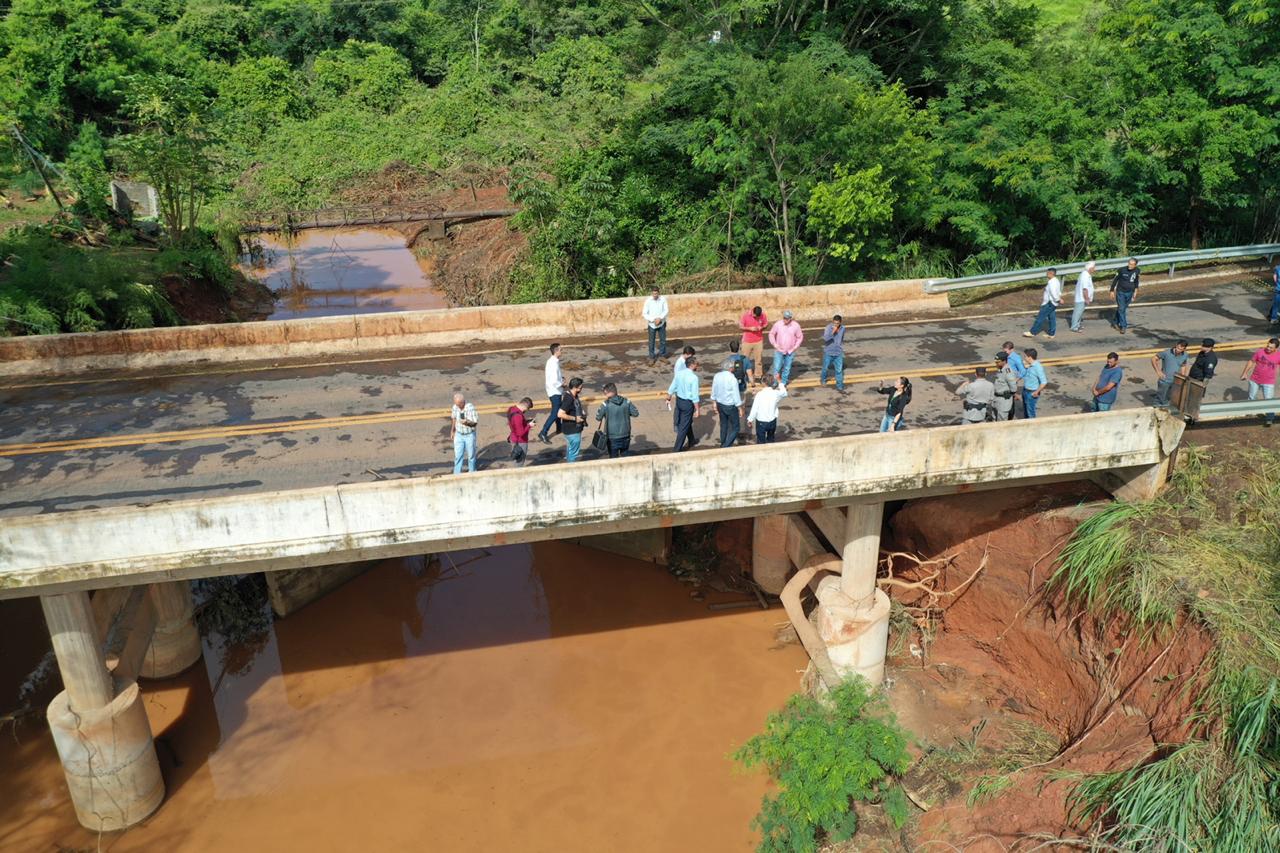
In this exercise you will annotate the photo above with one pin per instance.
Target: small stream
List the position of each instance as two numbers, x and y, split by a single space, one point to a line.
326 271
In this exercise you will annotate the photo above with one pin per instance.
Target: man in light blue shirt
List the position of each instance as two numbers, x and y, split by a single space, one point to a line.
727 396
684 392
1033 382
1015 359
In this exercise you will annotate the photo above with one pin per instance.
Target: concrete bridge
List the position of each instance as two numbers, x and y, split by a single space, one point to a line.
435 218
91 525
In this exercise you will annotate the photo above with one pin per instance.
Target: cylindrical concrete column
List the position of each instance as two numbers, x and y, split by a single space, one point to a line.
860 555
175 645
769 563
108 758
78 648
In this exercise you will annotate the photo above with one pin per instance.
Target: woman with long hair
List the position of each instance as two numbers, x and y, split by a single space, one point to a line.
899 396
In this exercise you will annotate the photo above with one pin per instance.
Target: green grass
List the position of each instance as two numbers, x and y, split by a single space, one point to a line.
1063 11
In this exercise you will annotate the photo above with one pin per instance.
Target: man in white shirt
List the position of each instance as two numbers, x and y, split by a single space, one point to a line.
463 433
764 409
728 399
1047 319
554 379
655 315
1084 295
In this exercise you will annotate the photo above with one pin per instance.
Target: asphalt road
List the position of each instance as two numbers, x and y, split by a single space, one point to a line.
81 444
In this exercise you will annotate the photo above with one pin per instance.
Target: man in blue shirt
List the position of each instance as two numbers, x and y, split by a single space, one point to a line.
1033 382
684 392
1015 359
833 352
1275 300
1107 387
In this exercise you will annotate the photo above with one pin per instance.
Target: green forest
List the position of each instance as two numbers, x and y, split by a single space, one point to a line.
663 140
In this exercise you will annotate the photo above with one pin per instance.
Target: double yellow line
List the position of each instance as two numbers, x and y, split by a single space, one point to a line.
403 416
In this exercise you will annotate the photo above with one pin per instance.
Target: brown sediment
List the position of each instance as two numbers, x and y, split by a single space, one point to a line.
544 698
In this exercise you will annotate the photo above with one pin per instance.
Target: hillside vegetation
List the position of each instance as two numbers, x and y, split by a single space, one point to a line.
656 140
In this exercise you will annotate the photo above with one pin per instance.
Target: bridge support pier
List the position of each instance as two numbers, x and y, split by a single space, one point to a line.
770 563
175 645
852 616
99 727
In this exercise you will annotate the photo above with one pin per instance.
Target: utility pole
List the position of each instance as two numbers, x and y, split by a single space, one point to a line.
38 160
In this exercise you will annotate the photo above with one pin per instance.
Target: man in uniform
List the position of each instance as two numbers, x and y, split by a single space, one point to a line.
1006 388
978 395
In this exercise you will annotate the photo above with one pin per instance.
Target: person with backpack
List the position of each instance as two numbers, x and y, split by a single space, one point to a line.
572 417
899 395
614 417
742 365
520 424
833 352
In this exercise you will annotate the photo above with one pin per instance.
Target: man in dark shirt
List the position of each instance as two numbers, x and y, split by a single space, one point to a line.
572 416
1206 361
1125 287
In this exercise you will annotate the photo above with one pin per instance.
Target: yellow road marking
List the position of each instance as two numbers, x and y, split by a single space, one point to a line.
402 416
458 353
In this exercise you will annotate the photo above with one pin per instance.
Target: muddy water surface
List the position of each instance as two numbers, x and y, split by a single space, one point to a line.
532 698
327 271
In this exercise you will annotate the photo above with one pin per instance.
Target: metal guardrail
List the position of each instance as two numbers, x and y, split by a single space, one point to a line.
1230 411
1263 250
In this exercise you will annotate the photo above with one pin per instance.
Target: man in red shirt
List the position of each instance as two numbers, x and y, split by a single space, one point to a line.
1261 373
520 425
753 324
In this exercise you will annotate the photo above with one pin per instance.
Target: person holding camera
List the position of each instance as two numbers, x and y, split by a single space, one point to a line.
572 417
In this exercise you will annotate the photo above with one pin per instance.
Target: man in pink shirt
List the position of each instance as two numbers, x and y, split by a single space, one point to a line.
786 338
1261 373
753 324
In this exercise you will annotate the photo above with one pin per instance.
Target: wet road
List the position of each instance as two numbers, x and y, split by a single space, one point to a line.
141 440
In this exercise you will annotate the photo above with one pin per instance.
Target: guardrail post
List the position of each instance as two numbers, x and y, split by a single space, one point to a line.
1171 268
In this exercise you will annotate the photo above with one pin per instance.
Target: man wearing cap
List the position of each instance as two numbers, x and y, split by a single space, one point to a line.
978 395
1125 287
1006 385
1206 363
786 337
1084 295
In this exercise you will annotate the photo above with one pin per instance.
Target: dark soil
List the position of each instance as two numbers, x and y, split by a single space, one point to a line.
199 302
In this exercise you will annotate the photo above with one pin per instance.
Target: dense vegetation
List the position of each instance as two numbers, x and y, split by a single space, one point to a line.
662 139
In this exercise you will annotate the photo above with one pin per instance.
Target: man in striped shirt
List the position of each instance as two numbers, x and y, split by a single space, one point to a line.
463 433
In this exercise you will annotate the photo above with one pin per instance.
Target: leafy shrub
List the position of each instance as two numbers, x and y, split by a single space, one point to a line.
827 755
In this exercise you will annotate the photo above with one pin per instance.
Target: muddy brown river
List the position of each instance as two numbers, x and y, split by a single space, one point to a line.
532 698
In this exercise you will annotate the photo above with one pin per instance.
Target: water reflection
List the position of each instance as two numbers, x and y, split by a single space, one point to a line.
327 271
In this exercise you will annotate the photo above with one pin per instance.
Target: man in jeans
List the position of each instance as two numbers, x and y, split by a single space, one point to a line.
1275 300
753 324
462 430
1006 385
554 380
520 423
572 418
728 399
1168 364
614 416
742 366
685 394
764 409
1106 389
1125 287
1033 382
1047 319
655 316
1084 295
833 351
1261 373
786 337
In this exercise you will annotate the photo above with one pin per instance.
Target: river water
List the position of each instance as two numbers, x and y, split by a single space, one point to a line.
326 271
530 698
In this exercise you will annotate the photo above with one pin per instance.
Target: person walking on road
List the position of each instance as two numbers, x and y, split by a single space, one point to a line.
833 351
742 366
786 337
520 425
615 415
554 380
1107 388
1006 388
1206 362
977 394
896 407
753 324
1275 299
1168 364
764 409
572 418
685 393
1125 287
727 396
655 316
1084 296
1049 302
1260 370
462 429
1033 382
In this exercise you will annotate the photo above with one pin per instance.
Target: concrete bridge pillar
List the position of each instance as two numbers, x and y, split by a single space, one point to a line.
100 728
852 616
770 563
175 645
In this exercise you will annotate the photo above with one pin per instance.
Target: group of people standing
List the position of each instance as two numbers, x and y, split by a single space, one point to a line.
1124 288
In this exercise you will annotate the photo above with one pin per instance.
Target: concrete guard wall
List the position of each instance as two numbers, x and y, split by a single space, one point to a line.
292 529
496 325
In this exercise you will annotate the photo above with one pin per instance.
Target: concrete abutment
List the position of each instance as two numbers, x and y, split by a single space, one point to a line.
175 645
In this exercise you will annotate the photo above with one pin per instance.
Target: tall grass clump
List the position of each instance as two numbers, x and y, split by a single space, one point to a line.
1206 553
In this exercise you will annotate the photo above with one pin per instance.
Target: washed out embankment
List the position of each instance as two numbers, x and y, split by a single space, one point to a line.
495 325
